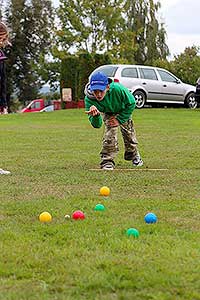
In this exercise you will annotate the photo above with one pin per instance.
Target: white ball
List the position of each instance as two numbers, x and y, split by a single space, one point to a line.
67 216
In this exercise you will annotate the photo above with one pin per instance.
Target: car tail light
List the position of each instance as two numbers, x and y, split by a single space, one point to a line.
116 80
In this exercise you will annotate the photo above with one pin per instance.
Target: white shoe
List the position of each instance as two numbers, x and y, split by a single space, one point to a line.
137 161
4 172
108 166
5 111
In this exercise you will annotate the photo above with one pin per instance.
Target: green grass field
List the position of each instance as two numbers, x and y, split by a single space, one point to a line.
50 156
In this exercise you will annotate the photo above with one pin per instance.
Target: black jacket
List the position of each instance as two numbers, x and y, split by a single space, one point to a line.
3 102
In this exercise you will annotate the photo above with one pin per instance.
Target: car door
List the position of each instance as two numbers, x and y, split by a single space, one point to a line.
149 81
172 87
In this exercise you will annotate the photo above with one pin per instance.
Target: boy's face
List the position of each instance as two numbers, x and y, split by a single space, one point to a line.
99 95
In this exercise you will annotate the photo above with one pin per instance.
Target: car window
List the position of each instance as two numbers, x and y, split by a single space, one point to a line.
35 105
147 73
129 72
32 106
166 76
108 70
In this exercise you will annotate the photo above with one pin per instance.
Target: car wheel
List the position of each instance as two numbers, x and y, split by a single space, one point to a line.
190 101
140 99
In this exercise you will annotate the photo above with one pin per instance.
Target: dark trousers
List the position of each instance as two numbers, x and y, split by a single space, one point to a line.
3 102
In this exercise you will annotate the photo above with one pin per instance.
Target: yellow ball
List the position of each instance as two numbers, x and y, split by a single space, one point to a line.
45 217
104 191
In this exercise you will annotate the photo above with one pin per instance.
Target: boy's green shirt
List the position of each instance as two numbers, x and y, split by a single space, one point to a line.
118 100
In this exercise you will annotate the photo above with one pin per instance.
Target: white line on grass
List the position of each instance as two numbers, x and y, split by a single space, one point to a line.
130 170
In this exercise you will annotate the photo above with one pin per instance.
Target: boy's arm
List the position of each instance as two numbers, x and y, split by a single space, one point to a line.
93 114
96 121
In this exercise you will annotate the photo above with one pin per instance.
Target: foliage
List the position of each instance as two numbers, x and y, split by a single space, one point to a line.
49 71
30 23
85 25
148 36
162 63
128 31
50 96
15 105
50 156
120 31
187 65
75 70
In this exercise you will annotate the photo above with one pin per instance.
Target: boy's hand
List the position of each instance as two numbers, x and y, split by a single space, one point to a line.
113 122
93 111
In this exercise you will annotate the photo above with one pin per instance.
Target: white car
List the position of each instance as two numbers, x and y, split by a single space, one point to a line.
151 84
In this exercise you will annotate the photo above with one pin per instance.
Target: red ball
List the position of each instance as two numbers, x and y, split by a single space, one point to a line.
78 214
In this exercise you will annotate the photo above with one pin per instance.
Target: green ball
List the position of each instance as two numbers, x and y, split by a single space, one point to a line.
133 232
99 207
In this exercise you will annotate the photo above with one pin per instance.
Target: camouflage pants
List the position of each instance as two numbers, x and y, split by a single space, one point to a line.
110 141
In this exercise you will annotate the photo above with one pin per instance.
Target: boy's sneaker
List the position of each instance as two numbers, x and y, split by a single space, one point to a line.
108 166
4 172
137 161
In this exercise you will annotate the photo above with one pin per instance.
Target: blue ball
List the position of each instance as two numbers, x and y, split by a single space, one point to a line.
150 218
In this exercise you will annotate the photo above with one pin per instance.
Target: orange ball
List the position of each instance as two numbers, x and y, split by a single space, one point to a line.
45 217
104 191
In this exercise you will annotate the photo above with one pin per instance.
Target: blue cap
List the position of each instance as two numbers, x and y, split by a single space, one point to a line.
98 81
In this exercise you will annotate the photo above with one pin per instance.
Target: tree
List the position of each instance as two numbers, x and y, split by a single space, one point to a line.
88 25
187 64
31 22
148 36
75 70
127 30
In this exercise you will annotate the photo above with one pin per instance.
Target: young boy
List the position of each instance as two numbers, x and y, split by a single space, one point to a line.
117 104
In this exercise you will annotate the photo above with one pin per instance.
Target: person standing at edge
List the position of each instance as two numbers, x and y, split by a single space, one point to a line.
4 42
116 104
3 104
